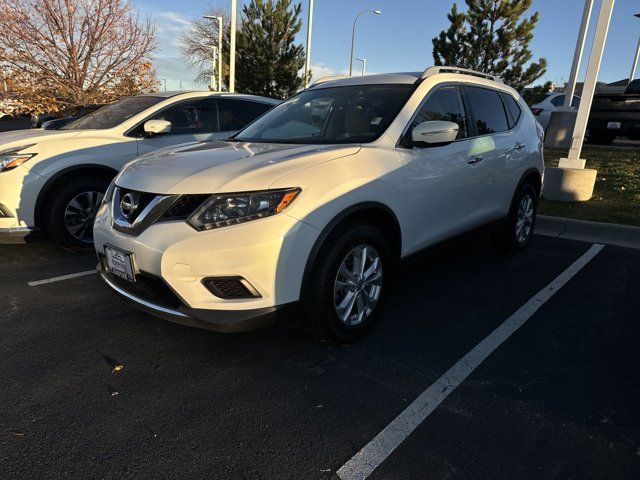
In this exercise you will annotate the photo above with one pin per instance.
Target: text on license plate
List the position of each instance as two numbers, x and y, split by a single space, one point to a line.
120 263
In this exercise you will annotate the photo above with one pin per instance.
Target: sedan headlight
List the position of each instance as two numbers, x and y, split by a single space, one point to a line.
233 208
10 159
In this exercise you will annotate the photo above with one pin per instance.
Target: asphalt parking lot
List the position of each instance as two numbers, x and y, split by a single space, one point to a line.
557 399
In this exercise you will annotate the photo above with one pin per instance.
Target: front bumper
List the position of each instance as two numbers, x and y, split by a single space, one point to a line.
172 259
19 190
227 321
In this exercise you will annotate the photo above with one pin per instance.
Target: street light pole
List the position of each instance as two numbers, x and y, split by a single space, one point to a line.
232 48
217 57
637 56
307 62
364 64
353 36
577 55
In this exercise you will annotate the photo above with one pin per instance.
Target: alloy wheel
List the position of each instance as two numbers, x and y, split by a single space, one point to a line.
358 285
524 219
80 214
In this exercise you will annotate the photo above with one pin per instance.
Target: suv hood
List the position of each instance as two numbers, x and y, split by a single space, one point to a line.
219 167
16 138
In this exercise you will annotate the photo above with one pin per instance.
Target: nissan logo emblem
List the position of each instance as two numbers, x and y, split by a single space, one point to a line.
129 204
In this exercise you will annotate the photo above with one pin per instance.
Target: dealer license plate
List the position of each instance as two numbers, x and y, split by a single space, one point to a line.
120 263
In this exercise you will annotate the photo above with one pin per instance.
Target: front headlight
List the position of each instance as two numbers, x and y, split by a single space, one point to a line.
232 208
10 159
108 195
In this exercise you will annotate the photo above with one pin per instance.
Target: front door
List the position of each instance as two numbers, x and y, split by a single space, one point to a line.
441 186
191 121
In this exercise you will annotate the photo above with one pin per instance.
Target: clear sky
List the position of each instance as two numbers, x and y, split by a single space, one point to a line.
400 38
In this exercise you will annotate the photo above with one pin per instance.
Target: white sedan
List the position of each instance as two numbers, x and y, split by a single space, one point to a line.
551 103
54 180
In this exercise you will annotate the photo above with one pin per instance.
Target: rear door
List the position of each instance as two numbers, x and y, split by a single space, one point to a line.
492 152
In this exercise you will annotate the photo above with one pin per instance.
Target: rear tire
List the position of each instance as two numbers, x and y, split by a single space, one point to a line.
70 210
346 294
518 229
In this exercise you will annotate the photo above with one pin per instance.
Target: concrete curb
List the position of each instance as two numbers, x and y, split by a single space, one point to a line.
594 232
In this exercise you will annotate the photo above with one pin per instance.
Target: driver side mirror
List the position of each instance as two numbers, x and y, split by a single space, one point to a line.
434 132
156 127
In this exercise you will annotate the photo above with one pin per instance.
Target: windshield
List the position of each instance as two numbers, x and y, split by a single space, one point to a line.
347 114
113 114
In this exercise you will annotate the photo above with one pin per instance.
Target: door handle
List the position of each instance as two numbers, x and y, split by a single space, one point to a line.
473 161
519 146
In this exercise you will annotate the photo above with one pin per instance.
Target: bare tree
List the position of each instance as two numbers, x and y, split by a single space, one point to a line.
77 51
198 39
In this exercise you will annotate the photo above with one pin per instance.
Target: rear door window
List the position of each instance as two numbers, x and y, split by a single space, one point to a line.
236 114
487 109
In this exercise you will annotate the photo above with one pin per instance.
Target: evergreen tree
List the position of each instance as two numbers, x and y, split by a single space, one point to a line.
268 61
491 37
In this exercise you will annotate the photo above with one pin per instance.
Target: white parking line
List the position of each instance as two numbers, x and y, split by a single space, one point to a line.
61 277
363 463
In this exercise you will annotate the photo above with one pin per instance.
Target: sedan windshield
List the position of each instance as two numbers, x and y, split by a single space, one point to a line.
350 114
113 114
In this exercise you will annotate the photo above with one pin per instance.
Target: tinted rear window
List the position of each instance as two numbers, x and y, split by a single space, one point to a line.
236 114
487 109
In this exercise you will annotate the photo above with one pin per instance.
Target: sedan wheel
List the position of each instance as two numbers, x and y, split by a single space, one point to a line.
80 214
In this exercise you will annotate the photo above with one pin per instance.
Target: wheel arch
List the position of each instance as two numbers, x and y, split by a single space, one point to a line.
55 180
376 213
533 176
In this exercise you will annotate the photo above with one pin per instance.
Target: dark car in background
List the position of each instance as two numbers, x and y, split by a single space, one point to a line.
615 115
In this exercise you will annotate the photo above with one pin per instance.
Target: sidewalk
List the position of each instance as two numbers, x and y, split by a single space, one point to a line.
594 232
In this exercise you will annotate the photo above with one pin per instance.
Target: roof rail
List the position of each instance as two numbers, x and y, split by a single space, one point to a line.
463 71
327 79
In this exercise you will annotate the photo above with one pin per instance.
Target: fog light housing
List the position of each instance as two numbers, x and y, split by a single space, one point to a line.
230 288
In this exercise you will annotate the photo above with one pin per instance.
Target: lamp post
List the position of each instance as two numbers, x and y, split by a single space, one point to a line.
353 36
364 64
232 47
635 58
217 57
307 62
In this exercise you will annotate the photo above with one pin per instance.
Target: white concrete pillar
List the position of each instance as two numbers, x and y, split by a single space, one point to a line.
577 54
593 68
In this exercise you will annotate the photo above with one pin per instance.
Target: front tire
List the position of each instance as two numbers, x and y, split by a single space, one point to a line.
70 210
349 283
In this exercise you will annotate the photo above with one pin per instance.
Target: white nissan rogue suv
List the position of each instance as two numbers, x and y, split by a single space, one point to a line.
319 198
